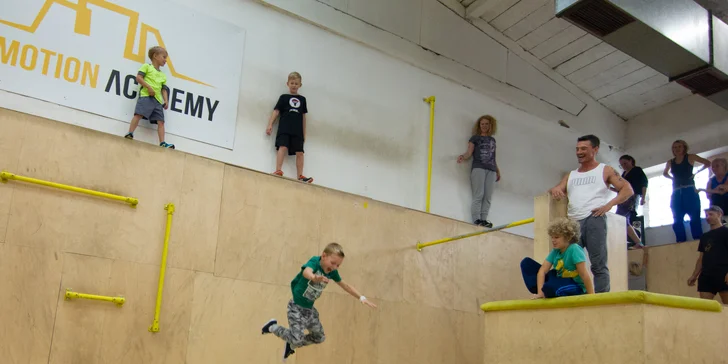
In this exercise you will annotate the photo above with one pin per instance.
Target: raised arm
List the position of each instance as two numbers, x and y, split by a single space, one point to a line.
693 158
468 153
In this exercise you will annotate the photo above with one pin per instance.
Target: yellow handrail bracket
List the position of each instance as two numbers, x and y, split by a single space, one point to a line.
420 246
6 176
430 100
119 301
162 268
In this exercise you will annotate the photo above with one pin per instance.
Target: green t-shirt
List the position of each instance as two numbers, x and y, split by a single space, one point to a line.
565 263
156 79
305 292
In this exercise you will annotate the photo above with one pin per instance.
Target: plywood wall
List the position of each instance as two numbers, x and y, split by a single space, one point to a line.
238 238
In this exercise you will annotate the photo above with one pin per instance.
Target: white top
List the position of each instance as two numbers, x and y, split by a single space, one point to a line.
586 191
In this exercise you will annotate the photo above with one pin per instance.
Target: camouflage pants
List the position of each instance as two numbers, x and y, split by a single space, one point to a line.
300 319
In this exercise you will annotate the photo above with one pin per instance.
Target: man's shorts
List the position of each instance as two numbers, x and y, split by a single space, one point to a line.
294 143
712 283
150 109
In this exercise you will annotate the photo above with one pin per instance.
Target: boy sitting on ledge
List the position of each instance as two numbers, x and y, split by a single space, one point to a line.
569 276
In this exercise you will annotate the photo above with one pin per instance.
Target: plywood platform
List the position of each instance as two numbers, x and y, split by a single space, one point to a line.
238 238
620 329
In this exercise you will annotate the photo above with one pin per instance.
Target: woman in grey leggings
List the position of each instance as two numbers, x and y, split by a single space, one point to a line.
484 172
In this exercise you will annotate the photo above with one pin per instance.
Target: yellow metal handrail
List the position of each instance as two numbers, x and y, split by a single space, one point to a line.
170 211
119 301
420 246
430 100
6 176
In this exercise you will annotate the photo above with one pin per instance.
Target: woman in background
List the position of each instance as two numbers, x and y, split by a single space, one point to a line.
484 172
685 199
717 188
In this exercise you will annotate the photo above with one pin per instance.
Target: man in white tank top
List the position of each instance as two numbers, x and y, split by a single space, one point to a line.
589 201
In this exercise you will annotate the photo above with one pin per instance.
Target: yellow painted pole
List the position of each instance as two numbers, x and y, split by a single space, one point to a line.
119 301
6 176
170 211
430 100
420 246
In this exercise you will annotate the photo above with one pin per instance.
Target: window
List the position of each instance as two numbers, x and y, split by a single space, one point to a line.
657 210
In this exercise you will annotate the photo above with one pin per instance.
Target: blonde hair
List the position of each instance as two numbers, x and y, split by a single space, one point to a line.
493 125
294 76
567 228
154 51
719 161
684 144
335 249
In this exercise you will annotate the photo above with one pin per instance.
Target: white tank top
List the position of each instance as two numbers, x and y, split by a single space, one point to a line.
587 191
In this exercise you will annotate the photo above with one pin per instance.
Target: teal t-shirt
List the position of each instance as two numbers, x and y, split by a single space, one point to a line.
304 291
565 263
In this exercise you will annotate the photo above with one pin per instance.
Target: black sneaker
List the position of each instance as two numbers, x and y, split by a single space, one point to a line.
486 223
129 136
478 222
166 145
266 327
288 352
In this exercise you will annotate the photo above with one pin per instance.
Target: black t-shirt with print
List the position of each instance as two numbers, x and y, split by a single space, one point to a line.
291 108
714 246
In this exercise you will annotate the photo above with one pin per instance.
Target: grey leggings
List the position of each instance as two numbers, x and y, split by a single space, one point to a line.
483 183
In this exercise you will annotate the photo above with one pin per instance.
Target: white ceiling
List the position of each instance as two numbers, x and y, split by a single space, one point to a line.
619 82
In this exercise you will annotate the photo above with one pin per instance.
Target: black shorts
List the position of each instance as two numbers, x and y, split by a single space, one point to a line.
712 283
293 142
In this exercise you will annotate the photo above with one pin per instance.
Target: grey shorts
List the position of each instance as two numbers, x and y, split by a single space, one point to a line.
150 109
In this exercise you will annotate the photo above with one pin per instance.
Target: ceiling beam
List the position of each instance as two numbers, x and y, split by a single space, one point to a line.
478 8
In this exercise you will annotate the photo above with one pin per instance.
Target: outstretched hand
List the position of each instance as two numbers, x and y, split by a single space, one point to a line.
366 302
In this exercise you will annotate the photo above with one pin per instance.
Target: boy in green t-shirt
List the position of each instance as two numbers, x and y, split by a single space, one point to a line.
153 95
307 286
570 276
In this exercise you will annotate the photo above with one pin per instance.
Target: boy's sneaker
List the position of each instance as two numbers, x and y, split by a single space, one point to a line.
288 352
305 179
166 145
278 173
478 222
129 136
266 327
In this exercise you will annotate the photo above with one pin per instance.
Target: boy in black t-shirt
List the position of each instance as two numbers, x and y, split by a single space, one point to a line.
292 110
711 269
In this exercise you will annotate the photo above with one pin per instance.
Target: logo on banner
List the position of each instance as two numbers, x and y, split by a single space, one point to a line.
113 77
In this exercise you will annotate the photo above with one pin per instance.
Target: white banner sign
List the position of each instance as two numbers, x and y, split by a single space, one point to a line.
85 54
